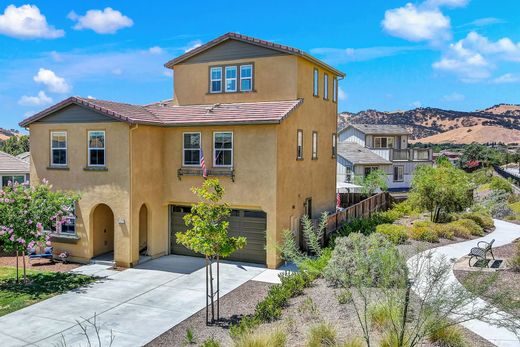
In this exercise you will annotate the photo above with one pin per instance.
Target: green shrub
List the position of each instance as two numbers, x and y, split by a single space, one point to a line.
211 342
481 218
365 226
458 230
382 315
390 339
322 335
472 226
397 234
401 210
345 297
444 231
276 338
514 261
499 183
424 231
189 338
352 343
447 336
515 207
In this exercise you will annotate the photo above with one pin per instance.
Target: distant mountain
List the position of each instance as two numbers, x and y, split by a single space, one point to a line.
499 123
7 133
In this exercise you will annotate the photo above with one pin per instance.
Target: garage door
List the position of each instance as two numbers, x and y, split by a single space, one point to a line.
248 223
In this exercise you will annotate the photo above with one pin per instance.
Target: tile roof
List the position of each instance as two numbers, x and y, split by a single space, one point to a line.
357 154
254 41
381 129
11 164
165 114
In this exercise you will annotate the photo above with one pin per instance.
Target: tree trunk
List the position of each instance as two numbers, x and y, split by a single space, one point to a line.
211 290
218 288
405 314
24 267
17 277
207 293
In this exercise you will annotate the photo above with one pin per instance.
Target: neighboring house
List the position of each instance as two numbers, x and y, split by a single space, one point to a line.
263 115
25 156
13 169
366 147
453 157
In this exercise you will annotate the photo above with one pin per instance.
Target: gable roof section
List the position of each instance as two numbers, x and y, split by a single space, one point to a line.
166 114
12 165
359 155
380 129
254 41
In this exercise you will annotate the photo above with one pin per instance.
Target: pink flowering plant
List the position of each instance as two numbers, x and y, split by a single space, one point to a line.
28 213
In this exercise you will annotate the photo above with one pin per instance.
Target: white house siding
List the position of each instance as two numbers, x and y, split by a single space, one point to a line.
382 152
352 135
409 168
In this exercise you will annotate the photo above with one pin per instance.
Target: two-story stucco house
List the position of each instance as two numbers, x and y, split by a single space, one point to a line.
263 116
366 147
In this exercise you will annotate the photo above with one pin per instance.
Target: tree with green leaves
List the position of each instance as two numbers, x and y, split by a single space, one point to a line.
441 189
376 179
15 145
207 234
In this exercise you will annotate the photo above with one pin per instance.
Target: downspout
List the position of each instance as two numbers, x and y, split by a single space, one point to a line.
131 177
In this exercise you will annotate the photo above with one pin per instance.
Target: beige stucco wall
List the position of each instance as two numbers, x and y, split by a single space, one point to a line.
110 187
274 79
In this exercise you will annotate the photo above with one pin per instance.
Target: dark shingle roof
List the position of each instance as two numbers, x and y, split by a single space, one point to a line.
166 114
357 154
10 164
381 129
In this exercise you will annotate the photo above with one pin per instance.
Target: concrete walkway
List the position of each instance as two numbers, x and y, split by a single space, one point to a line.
136 305
504 233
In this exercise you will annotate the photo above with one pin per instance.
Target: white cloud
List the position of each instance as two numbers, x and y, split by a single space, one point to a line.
27 22
474 57
107 21
454 97
417 23
192 45
507 78
484 22
345 55
417 104
155 50
39 100
447 3
341 94
53 82
90 97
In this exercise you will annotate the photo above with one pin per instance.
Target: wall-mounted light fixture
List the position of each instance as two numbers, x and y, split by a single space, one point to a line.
120 220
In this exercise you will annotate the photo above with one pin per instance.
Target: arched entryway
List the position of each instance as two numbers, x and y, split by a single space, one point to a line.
103 230
143 230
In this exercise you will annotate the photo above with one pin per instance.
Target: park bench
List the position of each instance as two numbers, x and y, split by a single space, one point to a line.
481 251
47 254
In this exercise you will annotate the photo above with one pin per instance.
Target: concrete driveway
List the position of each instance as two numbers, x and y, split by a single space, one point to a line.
133 306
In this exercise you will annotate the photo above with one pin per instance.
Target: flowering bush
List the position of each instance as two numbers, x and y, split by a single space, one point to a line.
27 213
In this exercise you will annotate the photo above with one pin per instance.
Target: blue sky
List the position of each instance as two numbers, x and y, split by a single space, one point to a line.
456 54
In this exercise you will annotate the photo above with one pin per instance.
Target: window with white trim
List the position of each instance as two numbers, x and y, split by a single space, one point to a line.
231 79
299 145
58 148
334 89
398 173
246 78
314 145
325 86
215 80
12 179
96 148
315 86
383 142
223 149
191 147
334 145
69 225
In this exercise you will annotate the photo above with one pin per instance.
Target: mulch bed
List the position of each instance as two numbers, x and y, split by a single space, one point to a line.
38 264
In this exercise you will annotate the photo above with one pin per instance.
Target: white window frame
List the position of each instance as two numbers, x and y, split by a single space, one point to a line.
387 138
334 145
104 148
66 148
246 78
314 145
184 149
299 143
335 89
325 86
316 83
399 168
72 220
225 149
211 80
231 79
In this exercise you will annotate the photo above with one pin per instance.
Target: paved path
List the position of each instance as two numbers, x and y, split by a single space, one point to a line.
137 304
503 234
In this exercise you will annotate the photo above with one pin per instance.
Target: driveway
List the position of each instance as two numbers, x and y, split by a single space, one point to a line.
133 306
504 233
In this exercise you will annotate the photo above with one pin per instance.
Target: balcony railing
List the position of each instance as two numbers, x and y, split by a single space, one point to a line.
422 154
400 154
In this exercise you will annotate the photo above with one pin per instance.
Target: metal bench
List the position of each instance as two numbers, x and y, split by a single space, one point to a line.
481 251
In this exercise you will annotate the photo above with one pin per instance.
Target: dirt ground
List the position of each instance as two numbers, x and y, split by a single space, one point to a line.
38 264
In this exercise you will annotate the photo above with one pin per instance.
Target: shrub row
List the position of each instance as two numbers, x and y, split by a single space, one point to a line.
397 234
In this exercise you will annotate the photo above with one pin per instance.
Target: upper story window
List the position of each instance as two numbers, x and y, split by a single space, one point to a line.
59 148
246 78
231 79
299 145
325 86
383 142
315 82
96 148
223 149
215 80
314 145
334 89
191 147
334 145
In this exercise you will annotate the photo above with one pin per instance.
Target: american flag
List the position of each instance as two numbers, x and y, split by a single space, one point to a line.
203 165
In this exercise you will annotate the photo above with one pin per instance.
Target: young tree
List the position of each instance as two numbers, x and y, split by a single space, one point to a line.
27 213
15 145
376 179
208 235
441 189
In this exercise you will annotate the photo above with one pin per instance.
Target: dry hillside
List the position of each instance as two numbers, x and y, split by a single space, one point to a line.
7 133
499 123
